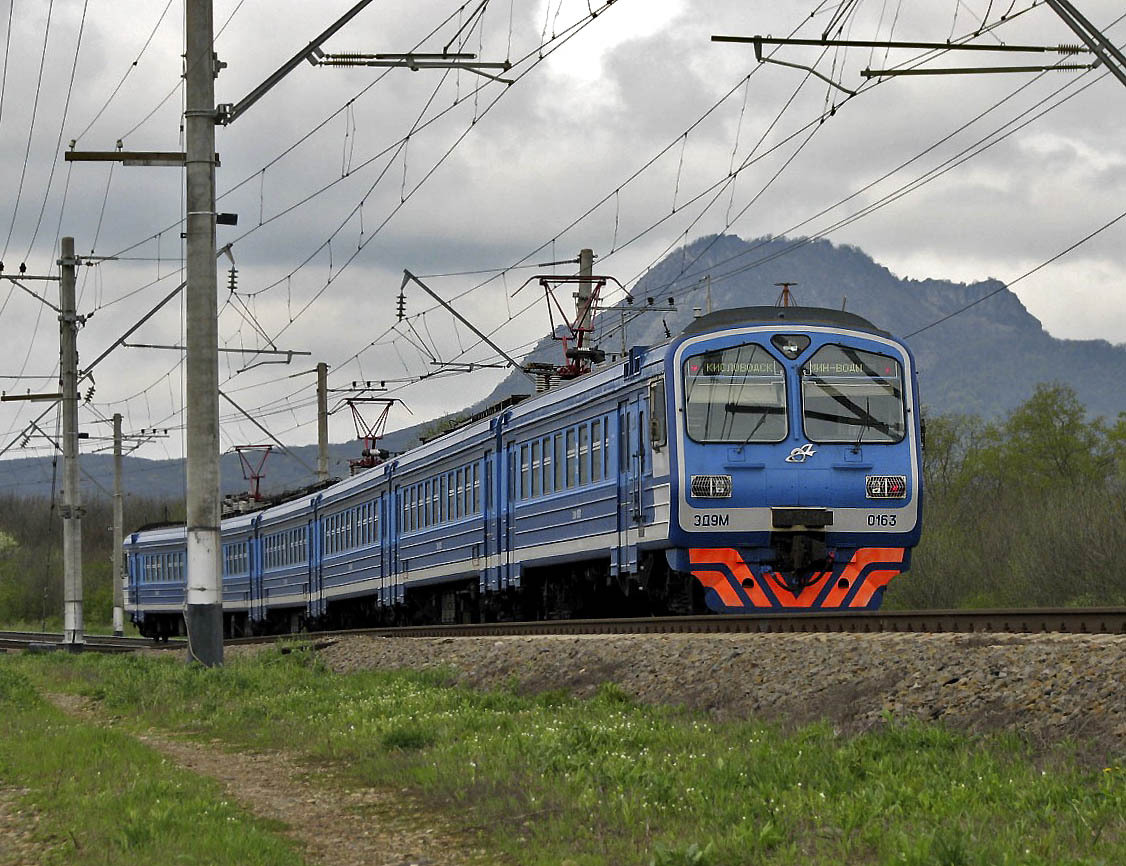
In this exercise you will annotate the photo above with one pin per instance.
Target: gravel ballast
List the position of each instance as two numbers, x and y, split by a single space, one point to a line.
1046 687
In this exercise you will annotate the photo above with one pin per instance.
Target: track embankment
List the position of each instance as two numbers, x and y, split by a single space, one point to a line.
1047 688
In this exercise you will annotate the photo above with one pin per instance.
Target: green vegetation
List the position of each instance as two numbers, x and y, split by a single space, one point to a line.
104 798
551 779
31 560
1027 511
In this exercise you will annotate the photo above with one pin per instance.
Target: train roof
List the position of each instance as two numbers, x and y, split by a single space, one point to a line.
798 315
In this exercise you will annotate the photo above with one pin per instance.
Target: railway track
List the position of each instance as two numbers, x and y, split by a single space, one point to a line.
48 641
1091 621
1031 621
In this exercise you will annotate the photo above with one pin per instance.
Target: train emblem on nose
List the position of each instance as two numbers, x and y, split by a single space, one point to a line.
800 455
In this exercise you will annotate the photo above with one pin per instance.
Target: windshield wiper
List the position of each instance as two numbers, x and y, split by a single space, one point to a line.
735 408
864 426
764 411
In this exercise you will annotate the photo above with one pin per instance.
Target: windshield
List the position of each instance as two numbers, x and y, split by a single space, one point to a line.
849 395
737 394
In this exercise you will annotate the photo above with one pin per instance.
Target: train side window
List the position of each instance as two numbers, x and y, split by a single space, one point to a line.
623 443
459 499
606 446
559 465
536 468
572 458
596 449
476 488
658 427
641 449
584 454
525 478
468 493
449 496
547 469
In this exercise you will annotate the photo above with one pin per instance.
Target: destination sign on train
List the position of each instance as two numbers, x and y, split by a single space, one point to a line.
847 368
722 367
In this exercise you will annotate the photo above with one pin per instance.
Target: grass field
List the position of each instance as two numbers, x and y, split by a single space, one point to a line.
540 780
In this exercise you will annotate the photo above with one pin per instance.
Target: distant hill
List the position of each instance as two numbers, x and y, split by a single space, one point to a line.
984 361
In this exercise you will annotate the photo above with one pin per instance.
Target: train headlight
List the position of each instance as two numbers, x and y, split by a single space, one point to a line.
711 486
885 486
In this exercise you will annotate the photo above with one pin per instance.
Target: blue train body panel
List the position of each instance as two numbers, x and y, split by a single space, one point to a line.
772 454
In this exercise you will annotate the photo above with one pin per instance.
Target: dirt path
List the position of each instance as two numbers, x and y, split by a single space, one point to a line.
17 825
334 825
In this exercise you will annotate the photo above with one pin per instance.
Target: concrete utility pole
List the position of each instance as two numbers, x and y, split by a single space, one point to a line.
322 421
118 533
584 315
73 638
204 615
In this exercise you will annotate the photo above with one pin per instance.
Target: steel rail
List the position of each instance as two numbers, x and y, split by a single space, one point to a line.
1078 621
1071 621
47 641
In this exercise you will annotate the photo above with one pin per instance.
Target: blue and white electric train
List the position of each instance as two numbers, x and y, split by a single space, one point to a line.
766 459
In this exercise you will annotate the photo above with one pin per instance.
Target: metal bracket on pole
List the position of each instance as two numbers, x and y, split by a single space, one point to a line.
228 113
409 277
16 282
415 62
759 41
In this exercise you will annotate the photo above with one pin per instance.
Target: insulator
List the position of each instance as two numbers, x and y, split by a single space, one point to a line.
232 278
1069 49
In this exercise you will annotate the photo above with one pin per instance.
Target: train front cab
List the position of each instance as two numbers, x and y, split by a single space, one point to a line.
796 447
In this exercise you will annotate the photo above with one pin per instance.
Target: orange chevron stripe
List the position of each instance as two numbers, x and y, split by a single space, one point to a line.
806 597
876 580
721 583
863 557
711 578
730 557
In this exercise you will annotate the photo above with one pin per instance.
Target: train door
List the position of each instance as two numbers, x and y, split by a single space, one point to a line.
629 472
384 548
494 508
315 606
488 510
509 564
256 599
132 596
394 513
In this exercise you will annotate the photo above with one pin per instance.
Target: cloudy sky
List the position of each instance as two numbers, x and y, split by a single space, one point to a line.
625 129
